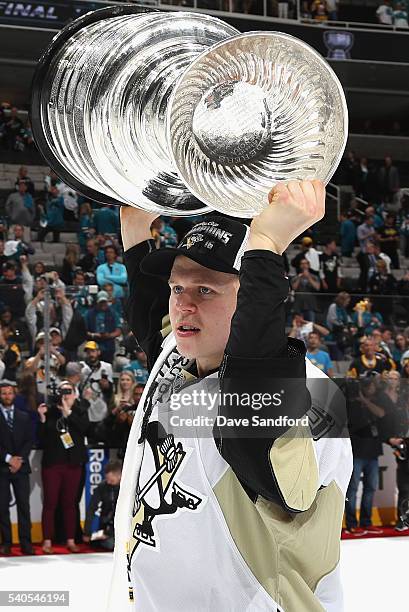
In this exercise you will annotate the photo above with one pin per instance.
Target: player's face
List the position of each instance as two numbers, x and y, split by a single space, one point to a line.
201 307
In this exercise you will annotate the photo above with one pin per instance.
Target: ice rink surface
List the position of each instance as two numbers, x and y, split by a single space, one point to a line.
374 571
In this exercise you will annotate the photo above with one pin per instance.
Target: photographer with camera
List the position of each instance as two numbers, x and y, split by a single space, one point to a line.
36 365
62 428
61 311
96 386
104 499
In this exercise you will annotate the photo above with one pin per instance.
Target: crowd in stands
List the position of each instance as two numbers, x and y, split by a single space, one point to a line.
97 371
388 13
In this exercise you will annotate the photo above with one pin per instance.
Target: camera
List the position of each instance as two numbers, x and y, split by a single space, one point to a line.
56 394
401 450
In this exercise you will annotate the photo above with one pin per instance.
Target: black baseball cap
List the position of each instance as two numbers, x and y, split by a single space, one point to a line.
217 243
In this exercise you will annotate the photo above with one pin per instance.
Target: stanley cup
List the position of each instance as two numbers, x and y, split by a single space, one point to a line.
179 114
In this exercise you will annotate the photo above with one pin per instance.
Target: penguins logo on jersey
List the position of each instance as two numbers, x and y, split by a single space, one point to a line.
157 493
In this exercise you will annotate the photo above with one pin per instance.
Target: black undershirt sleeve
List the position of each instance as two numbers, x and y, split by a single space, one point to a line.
258 359
148 301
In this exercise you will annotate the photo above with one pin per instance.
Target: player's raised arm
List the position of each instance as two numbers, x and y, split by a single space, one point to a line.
148 295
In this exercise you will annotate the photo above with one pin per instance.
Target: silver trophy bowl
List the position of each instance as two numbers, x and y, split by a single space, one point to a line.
177 113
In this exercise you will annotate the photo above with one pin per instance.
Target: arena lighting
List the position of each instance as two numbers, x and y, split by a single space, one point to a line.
178 113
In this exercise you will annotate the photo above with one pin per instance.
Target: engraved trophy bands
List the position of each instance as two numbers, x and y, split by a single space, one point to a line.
178 113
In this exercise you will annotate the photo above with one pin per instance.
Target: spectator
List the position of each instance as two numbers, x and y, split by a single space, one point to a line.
389 180
138 362
54 218
163 234
380 255
400 16
28 398
61 430
103 325
70 263
361 177
89 262
17 246
377 219
75 336
389 239
20 206
338 322
337 315
124 395
104 500
349 168
106 220
330 269
367 262
73 371
12 330
70 199
348 234
319 11
332 8
39 269
300 328
112 271
22 175
366 447
304 284
96 383
399 348
369 362
3 257
382 283
310 254
12 290
384 13
366 232
393 399
365 318
114 303
83 299
403 225
87 225
382 343
36 365
61 312
318 357
16 441
13 128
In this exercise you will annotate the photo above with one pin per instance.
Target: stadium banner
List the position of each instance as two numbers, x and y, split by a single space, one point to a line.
330 41
383 511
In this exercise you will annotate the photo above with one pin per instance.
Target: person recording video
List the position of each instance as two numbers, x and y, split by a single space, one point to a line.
62 428
96 386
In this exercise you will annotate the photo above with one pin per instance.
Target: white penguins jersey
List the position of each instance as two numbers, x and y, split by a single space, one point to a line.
189 538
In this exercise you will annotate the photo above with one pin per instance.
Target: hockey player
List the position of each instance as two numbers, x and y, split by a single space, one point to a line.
216 520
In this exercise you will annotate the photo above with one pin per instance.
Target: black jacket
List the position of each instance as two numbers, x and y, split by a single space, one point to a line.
53 450
17 442
105 496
